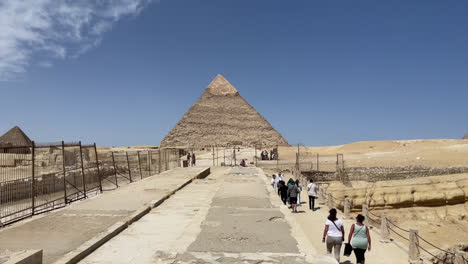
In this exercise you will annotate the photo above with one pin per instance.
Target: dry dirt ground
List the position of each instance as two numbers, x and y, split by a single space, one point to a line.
427 152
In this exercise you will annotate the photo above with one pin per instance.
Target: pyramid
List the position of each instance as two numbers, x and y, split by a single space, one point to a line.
15 137
222 117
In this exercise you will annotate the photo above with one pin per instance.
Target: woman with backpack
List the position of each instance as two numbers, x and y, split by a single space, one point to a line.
359 238
334 234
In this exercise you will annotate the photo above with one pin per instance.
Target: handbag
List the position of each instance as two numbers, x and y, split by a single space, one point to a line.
348 249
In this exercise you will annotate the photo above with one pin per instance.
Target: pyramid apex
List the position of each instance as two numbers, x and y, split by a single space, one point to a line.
221 86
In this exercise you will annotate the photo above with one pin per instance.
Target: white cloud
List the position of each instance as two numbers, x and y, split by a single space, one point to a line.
55 28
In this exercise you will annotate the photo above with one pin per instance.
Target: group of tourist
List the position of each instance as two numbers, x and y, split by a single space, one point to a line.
272 155
191 159
359 239
291 192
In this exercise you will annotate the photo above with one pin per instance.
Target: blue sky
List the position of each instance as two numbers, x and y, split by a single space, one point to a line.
123 72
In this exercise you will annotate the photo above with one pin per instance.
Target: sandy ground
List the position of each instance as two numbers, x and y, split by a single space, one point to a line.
432 153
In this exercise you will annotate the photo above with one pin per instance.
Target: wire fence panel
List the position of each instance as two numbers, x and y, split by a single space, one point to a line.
46 176
74 174
48 180
15 184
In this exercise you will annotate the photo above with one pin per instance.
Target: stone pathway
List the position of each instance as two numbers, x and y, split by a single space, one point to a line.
229 217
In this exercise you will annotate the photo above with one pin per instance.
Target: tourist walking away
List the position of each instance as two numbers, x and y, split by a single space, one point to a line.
194 160
359 238
189 160
334 234
283 190
273 181
299 187
312 192
293 191
280 176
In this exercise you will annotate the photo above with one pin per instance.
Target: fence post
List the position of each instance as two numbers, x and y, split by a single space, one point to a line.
213 154
148 158
115 170
97 167
33 179
413 247
330 200
365 210
384 231
82 171
139 165
159 161
128 166
347 207
318 162
255 156
64 174
459 259
322 195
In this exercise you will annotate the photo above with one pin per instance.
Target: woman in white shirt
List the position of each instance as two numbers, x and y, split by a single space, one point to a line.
334 233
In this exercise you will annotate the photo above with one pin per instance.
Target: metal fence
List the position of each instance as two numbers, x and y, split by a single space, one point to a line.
43 177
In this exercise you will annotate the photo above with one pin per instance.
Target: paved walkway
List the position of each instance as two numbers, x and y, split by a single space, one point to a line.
65 230
228 217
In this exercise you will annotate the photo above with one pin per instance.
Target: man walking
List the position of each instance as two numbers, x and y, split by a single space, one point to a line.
312 192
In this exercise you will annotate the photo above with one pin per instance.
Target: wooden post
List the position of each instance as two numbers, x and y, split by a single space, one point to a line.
317 162
82 171
347 207
384 230
148 159
213 154
159 161
277 156
322 195
33 178
413 247
128 166
330 200
255 156
115 170
365 210
97 167
64 174
139 165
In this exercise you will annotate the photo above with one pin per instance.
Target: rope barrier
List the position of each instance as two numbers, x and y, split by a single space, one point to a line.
402 229
370 212
434 256
448 252
398 234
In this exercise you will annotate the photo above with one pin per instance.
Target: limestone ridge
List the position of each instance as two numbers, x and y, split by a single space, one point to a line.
222 117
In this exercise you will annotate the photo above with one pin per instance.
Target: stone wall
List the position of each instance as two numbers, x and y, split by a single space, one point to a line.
375 174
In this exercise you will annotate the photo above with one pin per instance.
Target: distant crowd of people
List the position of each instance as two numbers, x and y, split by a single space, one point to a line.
359 240
272 155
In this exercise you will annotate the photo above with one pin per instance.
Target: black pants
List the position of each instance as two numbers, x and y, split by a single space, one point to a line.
359 254
311 202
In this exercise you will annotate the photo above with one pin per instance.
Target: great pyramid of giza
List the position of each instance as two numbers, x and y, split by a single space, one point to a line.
222 117
15 137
